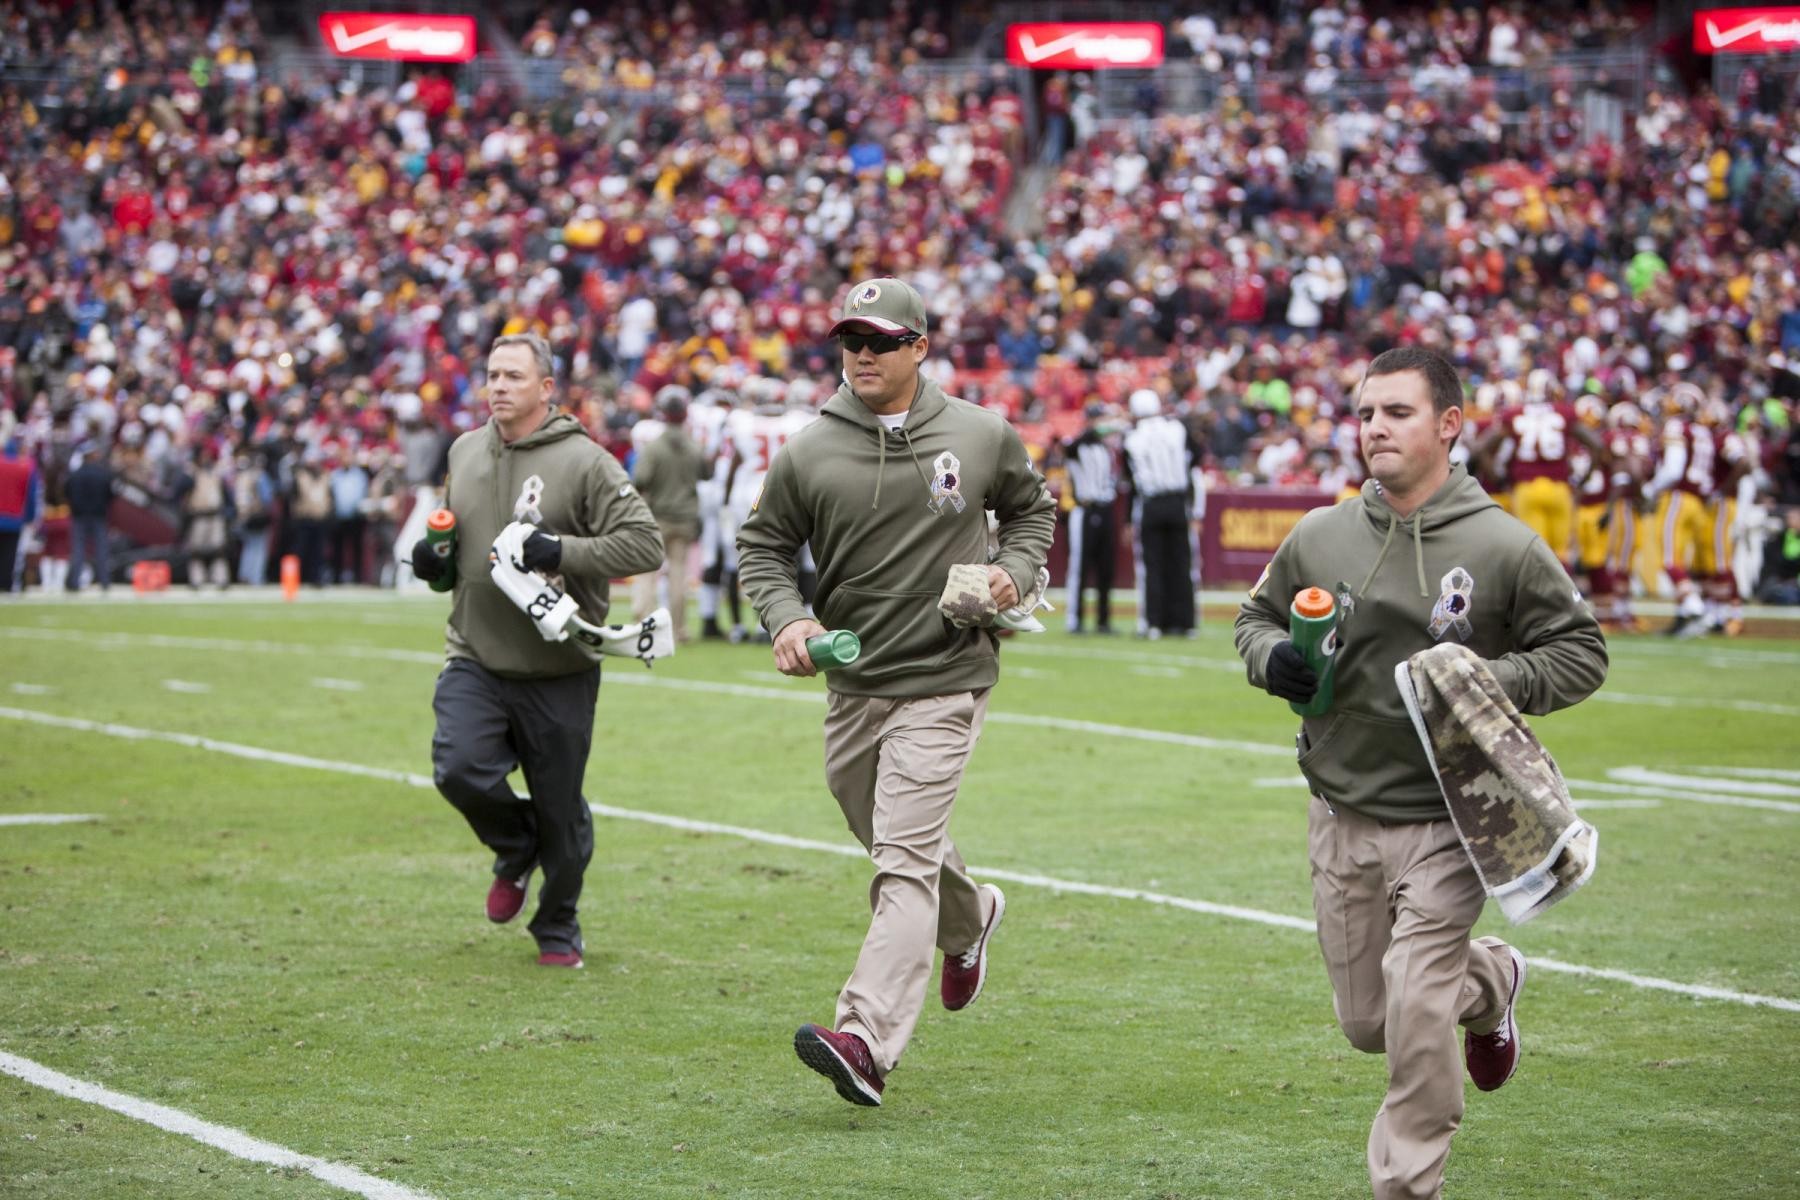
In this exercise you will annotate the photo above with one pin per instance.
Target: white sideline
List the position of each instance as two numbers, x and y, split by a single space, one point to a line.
220 1137
1233 911
45 818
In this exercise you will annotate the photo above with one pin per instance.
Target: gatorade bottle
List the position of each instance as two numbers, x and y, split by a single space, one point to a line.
834 648
1312 624
440 535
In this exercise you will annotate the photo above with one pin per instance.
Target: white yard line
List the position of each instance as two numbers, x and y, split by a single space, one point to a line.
1754 772
1123 655
1235 912
325 683
1709 654
186 687
1669 779
32 689
220 1137
625 675
46 818
1751 706
622 676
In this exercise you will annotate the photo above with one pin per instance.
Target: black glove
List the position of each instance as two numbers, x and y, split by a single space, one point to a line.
543 551
1288 674
425 562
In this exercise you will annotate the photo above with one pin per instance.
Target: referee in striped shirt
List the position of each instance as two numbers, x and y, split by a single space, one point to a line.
1162 463
1093 524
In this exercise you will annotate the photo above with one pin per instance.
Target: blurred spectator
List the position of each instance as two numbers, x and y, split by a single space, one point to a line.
309 506
206 520
349 493
1780 583
253 499
21 500
89 493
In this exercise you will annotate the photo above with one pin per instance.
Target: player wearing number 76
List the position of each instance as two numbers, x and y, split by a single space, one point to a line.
507 698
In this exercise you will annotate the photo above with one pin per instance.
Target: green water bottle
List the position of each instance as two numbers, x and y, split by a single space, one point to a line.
833 648
1312 625
440 535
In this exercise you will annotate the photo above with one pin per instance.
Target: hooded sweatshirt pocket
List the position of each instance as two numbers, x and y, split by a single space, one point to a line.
900 631
1357 756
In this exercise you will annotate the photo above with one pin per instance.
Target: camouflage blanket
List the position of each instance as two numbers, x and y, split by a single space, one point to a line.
1506 796
967 599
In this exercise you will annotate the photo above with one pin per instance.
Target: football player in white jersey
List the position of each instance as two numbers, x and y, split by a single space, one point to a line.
803 398
718 553
755 431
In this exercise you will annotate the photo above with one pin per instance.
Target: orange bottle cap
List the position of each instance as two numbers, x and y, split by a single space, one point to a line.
441 520
1314 602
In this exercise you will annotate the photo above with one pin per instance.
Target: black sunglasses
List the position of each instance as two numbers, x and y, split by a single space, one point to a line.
880 343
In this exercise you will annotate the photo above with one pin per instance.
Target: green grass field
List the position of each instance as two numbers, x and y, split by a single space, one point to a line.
295 950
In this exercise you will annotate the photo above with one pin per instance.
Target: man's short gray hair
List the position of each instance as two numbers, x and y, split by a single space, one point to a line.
540 350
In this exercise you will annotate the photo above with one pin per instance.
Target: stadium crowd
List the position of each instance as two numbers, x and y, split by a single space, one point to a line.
265 298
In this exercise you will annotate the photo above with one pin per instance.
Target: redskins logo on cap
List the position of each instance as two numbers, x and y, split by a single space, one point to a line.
869 293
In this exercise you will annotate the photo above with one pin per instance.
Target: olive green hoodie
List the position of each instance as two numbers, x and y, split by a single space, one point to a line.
1392 577
887 515
668 472
587 500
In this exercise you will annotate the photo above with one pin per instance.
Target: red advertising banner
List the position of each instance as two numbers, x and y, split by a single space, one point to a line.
412 37
1090 45
1747 30
1243 528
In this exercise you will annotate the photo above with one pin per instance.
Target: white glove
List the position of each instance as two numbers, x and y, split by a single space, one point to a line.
1019 618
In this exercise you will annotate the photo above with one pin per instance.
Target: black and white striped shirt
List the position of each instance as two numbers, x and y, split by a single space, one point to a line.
1160 457
1092 476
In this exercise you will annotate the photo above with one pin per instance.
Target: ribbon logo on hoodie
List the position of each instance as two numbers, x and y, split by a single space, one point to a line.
525 508
1452 608
946 483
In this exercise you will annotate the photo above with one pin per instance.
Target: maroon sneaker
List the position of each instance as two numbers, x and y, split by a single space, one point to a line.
506 898
561 958
842 1058
965 973
1493 1057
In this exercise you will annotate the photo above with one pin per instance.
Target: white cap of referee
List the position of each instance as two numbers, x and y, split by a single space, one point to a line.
1145 403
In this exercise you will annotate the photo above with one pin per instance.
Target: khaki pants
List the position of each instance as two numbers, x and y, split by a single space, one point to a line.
677 539
894 766
1395 904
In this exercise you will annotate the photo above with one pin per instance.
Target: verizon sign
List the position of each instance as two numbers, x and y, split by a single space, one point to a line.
1089 46
409 36
1747 30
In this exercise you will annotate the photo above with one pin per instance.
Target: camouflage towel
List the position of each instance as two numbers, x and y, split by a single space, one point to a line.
1506 796
967 599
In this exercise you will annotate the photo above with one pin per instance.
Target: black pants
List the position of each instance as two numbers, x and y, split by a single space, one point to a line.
9 554
347 550
1168 599
486 726
1093 547
89 545
309 544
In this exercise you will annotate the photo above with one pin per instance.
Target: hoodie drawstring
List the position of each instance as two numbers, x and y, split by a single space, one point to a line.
917 465
880 464
1419 552
1418 532
1383 554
